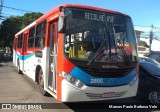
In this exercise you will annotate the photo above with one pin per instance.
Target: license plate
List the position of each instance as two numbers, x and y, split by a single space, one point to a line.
108 95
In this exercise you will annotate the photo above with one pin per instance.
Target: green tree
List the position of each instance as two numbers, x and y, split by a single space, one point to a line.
144 43
14 24
29 18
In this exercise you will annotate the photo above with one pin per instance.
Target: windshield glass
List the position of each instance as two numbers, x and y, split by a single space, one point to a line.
99 36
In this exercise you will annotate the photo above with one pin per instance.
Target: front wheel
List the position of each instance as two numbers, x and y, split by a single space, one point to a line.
41 83
154 97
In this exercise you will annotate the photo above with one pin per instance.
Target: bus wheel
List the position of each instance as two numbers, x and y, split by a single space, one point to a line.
41 83
154 97
18 68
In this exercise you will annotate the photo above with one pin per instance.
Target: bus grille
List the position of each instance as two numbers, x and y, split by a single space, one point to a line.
107 73
105 95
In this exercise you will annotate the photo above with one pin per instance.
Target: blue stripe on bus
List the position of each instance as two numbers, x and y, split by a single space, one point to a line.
94 81
24 57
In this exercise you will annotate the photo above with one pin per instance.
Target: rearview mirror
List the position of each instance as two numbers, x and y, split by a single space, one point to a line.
62 24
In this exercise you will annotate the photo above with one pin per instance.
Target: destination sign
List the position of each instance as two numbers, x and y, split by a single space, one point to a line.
93 15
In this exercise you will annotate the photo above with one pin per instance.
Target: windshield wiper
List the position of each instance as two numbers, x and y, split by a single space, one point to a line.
103 44
96 54
124 52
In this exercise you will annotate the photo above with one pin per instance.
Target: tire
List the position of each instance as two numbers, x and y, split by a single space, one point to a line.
154 97
41 83
18 68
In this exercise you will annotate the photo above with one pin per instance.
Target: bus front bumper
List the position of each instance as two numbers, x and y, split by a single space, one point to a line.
71 93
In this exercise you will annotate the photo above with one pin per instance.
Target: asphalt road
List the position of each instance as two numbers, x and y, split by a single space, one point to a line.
15 88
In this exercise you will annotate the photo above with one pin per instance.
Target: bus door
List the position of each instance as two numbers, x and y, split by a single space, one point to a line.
24 50
53 56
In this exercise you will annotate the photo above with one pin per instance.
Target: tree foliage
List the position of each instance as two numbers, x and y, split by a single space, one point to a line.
14 24
144 43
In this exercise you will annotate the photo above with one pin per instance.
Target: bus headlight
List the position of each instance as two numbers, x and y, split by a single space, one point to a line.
133 81
74 81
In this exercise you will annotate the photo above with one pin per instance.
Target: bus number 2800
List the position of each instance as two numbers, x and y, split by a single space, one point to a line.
96 81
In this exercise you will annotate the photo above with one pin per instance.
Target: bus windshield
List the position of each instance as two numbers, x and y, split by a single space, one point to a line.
99 37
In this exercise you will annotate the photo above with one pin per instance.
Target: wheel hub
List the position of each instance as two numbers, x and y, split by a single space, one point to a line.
154 97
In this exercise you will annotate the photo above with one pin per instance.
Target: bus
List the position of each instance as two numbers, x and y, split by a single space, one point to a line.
80 53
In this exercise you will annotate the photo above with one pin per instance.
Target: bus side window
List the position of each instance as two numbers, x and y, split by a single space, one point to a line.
19 42
15 43
31 37
40 35
52 37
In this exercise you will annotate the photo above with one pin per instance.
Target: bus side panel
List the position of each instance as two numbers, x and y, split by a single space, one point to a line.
31 61
14 52
19 57
14 57
45 66
62 65
60 62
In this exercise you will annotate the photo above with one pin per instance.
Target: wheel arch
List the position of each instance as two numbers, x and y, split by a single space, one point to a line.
17 61
38 67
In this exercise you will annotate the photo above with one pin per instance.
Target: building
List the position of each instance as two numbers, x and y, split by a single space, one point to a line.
142 50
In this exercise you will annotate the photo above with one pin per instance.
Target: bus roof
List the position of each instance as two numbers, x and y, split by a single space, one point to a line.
92 8
56 9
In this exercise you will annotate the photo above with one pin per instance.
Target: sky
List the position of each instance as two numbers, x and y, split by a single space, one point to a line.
144 13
